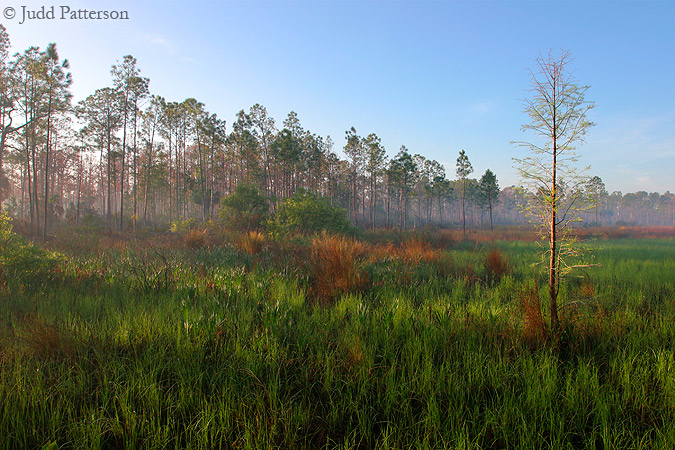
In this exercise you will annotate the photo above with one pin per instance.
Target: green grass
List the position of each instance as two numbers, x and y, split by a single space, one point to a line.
219 349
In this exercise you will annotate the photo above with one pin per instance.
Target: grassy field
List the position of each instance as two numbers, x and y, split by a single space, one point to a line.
386 343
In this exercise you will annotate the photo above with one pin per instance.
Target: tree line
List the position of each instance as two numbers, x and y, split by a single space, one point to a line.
135 159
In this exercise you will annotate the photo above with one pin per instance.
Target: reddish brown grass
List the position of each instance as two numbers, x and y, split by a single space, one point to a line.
415 250
335 265
633 232
587 290
445 239
195 239
469 275
496 265
533 321
353 352
252 242
45 340
411 251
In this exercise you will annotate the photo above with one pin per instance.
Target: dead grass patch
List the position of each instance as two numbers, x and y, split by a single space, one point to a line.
336 268
252 242
533 322
195 239
496 265
45 340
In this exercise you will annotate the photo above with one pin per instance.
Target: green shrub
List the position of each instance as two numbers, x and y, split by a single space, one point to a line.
306 213
183 226
7 237
245 209
20 260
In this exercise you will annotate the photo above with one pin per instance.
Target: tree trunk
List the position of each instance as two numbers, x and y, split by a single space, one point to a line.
79 190
135 218
552 278
463 208
490 209
35 187
124 148
49 116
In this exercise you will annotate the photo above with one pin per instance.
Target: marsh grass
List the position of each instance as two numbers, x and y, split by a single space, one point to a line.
534 327
235 353
252 242
336 268
496 265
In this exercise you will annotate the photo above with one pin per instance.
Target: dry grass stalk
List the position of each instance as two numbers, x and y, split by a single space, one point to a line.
416 250
412 251
335 265
533 321
252 242
587 290
195 239
496 265
45 340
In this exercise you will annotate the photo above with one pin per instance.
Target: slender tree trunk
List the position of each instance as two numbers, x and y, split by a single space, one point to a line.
372 203
147 187
124 149
100 166
490 210
170 187
49 116
184 191
388 201
79 190
135 218
440 210
210 180
463 208
552 278
35 187
400 209
28 176
5 131
109 175
491 227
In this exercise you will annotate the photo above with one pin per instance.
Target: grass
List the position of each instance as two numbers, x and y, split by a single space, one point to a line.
144 346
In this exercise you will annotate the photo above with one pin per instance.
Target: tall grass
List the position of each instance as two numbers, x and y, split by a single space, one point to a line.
336 265
236 351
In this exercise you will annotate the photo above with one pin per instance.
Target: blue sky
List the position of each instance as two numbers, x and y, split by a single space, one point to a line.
435 76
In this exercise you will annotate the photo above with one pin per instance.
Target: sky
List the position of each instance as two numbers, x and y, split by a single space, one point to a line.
435 76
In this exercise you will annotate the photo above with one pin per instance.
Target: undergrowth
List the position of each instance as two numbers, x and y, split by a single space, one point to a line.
335 343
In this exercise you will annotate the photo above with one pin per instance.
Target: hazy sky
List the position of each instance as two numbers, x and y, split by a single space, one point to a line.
435 76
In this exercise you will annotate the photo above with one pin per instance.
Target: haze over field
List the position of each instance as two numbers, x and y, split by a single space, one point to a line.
436 77
348 224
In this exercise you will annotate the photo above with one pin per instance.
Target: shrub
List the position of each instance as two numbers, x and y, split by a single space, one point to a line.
245 209
183 226
20 260
7 237
306 213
